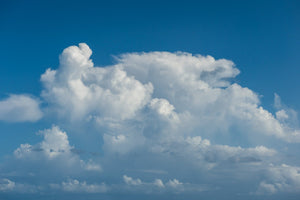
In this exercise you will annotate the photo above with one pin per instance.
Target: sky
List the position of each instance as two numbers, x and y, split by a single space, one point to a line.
149 99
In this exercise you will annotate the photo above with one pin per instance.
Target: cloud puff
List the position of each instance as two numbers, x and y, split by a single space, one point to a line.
20 108
174 183
159 183
164 108
80 90
130 181
6 185
53 155
55 144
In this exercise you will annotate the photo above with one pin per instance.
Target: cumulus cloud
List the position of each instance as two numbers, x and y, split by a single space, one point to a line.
164 104
6 185
55 144
158 183
201 86
174 183
158 115
163 108
20 108
69 186
198 87
280 178
80 90
9 186
130 181
90 165
201 153
53 153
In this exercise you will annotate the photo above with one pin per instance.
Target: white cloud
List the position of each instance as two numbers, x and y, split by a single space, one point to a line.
23 150
178 69
203 154
91 166
174 183
77 89
159 183
280 178
130 181
20 108
55 144
201 86
76 186
164 108
266 188
197 87
281 115
173 114
9 186
55 152
6 185
158 186
284 114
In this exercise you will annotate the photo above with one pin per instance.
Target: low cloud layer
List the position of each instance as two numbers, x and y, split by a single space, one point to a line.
175 121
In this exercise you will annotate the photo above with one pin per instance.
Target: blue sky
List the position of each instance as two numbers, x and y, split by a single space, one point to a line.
132 115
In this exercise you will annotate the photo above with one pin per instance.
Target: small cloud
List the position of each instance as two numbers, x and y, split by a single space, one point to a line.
90 166
6 185
284 114
159 183
130 181
20 108
281 115
76 186
266 188
174 183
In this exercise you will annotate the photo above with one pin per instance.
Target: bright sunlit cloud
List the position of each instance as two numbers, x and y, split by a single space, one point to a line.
176 113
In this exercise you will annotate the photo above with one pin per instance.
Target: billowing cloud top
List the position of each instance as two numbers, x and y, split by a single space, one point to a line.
179 86
169 122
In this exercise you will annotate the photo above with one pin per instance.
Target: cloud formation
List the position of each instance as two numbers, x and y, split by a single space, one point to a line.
20 108
6 185
192 90
176 121
53 155
79 90
76 186
280 178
